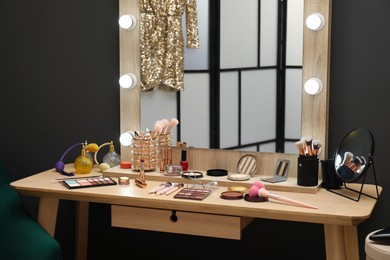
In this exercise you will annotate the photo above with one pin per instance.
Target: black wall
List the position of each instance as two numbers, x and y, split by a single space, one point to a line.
58 86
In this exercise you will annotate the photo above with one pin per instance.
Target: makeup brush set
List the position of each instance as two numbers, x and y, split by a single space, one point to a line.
153 146
308 161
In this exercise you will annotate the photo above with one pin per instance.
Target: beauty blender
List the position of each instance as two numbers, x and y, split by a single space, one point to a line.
259 184
253 191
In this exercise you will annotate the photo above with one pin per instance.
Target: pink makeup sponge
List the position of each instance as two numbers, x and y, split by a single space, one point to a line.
253 191
258 184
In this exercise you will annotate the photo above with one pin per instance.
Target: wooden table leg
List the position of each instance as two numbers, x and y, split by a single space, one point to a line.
351 242
47 214
341 242
82 215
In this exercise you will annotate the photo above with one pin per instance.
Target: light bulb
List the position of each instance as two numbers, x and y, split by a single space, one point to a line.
127 22
315 21
313 86
125 139
128 80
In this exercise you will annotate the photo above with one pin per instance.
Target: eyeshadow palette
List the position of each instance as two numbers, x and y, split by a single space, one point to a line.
192 194
88 182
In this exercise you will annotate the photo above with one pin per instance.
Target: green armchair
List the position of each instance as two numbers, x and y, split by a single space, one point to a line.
21 236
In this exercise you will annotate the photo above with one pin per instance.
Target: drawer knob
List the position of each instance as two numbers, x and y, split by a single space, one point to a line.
173 217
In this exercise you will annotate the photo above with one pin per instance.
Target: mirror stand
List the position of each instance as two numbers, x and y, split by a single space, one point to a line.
360 192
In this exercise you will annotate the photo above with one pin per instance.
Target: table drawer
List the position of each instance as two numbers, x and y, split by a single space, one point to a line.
180 222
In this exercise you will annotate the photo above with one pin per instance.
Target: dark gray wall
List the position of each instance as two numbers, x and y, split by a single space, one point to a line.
59 70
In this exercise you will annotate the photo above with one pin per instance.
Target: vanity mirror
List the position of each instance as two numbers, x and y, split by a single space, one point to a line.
314 108
353 159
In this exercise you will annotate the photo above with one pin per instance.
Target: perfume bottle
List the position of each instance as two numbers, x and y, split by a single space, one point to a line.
112 158
83 163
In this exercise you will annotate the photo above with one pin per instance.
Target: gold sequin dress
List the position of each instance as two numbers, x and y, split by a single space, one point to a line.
162 42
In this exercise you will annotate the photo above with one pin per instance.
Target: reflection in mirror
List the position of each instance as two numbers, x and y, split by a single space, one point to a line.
244 81
354 156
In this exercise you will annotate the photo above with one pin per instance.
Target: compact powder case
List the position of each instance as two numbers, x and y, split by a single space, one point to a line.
192 174
232 195
246 168
255 199
239 177
241 189
125 165
173 170
217 172
123 180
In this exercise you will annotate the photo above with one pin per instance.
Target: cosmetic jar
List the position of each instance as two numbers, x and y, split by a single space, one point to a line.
123 180
173 170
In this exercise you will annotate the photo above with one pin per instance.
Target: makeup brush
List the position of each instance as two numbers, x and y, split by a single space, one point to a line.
174 122
266 194
356 163
362 165
165 124
348 156
309 141
301 147
316 147
158 126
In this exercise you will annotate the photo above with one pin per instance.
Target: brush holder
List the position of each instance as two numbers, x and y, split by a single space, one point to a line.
165 151
144 148
307 171
164 140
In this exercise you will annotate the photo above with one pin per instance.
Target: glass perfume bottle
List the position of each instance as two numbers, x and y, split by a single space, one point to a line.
112 158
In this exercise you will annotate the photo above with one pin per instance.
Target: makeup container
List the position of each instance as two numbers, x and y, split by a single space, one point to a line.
123 180
173 170
307 170
144 148
183 162
164 140
165 151
330 180
164 157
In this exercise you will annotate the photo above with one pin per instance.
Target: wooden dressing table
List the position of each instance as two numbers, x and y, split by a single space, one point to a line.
133 207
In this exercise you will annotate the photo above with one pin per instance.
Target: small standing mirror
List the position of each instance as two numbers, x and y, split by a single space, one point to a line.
354 157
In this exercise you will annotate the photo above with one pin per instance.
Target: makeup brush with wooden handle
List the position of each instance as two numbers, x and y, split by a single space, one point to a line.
174 122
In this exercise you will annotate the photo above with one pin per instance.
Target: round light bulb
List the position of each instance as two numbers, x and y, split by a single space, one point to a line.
313 86
127 22
125 139
315 22
128 80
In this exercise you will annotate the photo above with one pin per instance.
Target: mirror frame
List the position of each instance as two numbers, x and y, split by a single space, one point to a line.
316 63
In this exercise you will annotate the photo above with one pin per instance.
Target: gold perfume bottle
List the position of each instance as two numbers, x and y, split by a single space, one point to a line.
83 163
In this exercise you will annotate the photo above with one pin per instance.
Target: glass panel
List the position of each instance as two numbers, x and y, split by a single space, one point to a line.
269 32
229 109
197 59
258 105
239 33
294 42
156 105
293 104
195 110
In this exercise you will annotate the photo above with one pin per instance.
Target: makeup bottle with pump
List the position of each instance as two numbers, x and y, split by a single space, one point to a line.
183 162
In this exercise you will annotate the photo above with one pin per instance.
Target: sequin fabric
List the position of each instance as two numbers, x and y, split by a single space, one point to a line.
162 42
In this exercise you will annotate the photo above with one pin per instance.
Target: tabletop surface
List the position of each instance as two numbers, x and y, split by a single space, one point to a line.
332 208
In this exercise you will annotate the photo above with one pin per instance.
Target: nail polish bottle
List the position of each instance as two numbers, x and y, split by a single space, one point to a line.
183 162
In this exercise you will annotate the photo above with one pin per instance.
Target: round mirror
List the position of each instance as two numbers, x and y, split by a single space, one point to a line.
354 155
